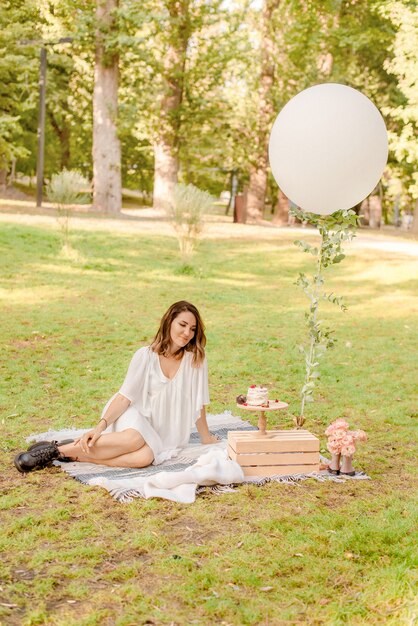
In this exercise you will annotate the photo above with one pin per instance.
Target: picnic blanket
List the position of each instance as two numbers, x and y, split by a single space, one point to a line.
195 469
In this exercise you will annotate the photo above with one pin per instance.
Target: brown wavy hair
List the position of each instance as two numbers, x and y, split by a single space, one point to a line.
196 345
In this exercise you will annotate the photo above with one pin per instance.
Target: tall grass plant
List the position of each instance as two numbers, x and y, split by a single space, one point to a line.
187 210
65 189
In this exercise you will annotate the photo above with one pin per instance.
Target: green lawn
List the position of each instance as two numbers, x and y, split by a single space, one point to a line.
315 553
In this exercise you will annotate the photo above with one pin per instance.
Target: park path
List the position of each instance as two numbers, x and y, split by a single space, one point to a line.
150 221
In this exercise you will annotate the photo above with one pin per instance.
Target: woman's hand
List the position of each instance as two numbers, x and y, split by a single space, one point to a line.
88 440
206 437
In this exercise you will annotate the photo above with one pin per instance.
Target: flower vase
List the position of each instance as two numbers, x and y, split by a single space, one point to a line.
334 466
347 465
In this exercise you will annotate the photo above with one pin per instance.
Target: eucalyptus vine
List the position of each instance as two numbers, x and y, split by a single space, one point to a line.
334 230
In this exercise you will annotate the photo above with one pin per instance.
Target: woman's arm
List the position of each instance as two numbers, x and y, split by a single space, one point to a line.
115 409
203 429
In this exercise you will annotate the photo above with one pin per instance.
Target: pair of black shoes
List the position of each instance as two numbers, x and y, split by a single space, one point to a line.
40 455
338 472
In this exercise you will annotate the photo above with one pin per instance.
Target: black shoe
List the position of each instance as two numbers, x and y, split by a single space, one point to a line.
37 458
336 472
42 444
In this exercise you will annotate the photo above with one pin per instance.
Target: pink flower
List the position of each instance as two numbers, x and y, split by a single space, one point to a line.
341 440
348 439
339 424
334 446
347 444
348 450
359 435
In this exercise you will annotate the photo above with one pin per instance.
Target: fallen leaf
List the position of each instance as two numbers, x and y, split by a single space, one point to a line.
241 543
234 586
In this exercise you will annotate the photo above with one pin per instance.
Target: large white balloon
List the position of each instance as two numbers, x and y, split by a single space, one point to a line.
328 148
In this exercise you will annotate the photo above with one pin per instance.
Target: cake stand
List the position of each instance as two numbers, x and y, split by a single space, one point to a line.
262 419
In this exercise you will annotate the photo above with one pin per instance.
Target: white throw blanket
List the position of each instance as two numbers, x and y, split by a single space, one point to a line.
211 468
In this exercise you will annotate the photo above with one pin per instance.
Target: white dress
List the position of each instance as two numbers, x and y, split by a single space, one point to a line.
162 410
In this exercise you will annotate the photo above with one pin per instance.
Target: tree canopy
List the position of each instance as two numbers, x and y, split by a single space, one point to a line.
234 66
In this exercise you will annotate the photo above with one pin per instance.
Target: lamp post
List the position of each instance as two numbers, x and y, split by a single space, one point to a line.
42 109
41 128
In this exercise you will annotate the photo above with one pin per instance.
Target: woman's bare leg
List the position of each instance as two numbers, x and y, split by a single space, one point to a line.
110 446
139 458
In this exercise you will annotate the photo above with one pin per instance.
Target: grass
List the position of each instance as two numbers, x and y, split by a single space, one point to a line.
316 553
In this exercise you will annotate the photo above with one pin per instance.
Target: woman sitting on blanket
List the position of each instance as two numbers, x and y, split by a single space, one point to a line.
162 398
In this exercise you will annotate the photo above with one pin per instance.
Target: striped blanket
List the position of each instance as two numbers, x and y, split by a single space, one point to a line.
124 484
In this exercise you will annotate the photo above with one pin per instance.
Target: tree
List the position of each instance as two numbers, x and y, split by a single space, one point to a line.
107 184
219 66
166 142
258 166
403 113
294 54
69 85
18 79
175 70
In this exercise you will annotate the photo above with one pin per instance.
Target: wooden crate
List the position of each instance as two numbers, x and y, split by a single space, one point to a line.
278 452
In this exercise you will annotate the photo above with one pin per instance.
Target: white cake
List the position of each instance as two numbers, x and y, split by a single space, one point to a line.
257 396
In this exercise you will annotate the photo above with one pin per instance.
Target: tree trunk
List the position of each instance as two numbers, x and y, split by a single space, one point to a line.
166 144
375 211
12 174
414 228
258 170
281 215
107 184
166 167
63 133
257 189
365 212
3 179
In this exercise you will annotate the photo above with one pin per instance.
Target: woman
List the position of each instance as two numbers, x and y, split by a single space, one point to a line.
163 396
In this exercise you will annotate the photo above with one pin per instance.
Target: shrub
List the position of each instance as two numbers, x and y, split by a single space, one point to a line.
187 210
67 188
